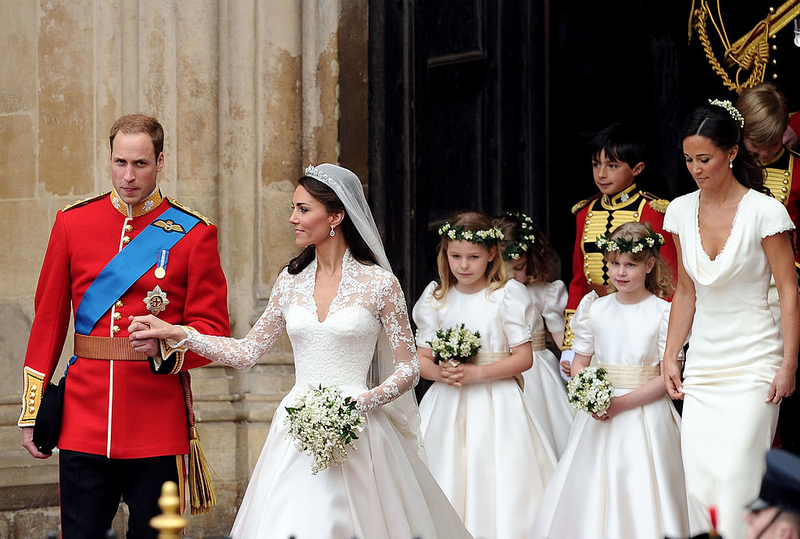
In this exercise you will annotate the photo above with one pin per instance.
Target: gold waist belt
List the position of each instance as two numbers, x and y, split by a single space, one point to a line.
538 339
630 376
487 358
110 348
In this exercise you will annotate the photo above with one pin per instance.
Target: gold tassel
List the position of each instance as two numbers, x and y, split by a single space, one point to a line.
201 490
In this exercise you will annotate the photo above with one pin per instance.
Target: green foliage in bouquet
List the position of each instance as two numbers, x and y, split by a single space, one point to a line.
455 344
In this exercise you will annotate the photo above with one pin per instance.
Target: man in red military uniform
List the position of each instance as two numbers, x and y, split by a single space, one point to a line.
766 118
128 252
618 155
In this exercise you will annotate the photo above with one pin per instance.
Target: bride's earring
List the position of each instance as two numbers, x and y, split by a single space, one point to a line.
334 233
730 163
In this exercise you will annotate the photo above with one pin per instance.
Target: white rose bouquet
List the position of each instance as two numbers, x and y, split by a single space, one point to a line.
455 344
322 423
590 390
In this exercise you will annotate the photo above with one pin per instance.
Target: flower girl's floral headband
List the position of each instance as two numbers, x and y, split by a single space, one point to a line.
487 238
622 245
733 111
515 249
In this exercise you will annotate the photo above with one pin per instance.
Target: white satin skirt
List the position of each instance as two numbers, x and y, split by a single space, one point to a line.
618 479
489 455
383 491
547 397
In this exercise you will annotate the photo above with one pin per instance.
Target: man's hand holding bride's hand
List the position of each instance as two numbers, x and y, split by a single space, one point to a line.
145 331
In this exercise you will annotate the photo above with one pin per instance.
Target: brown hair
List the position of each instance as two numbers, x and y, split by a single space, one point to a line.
660 281
540 256
358 247
765 112
133 124
495 270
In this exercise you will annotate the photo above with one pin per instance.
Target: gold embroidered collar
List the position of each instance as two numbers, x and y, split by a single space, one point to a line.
137 210
621 199
776 158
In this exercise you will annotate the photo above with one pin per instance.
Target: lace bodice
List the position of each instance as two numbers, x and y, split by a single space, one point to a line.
338 350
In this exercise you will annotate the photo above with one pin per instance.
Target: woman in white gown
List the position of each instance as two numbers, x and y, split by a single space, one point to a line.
730 238
529 259
336 300
621 475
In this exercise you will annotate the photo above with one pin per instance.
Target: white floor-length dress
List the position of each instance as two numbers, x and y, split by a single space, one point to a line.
384 490
485 447
621 478
734 353
545 390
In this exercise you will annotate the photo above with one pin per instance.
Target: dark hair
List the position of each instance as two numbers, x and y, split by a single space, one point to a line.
540 256
358 247
717 125
133 124
620 141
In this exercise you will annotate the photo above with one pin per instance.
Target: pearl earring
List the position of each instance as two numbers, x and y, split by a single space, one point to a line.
334 233
730 163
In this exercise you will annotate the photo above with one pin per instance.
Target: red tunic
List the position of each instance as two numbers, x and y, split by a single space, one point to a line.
120 408
600 215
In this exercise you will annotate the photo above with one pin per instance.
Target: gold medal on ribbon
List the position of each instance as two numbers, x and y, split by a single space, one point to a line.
156 300
160 273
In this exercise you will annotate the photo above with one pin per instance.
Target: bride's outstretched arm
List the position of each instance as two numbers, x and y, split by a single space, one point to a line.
237 353
394 319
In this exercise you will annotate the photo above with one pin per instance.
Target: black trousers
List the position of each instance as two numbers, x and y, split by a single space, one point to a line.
91 486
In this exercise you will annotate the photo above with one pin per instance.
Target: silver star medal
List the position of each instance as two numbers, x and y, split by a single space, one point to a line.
156 300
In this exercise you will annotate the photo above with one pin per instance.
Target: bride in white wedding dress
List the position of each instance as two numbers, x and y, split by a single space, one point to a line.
339 303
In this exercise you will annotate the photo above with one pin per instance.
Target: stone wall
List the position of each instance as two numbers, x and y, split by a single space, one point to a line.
249 92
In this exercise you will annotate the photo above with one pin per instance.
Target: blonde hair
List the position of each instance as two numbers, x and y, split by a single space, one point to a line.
766 114
660 281
495 270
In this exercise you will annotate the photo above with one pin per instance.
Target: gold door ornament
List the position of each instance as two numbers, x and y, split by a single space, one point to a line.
750 53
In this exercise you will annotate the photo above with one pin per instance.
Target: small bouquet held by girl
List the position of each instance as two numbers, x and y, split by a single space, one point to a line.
590 390
455 345
322 423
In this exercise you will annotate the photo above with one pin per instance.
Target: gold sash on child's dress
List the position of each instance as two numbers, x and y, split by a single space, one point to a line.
487 358
538 340
630 376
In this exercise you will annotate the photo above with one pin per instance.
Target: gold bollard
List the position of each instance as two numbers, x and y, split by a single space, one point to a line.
170 522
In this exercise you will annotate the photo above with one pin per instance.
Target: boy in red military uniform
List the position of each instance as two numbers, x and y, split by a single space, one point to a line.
766 119
125 427
618 155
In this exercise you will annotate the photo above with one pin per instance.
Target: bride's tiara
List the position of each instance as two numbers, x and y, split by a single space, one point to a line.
317 174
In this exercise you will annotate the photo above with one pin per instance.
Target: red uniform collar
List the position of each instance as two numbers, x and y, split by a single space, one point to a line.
137 210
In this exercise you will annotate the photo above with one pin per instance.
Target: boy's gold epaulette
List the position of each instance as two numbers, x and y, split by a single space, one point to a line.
85 201
189 210
658 204
582 204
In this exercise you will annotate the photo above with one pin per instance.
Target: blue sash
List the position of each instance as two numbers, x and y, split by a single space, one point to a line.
128 266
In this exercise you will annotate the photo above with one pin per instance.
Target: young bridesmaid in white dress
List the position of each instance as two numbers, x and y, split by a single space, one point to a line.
621 475
484 446
529 259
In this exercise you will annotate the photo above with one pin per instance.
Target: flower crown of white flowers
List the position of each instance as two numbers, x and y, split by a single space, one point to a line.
733 111
487 237
623 245
516 249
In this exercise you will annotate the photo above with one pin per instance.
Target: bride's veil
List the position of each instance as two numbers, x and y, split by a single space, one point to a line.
403 411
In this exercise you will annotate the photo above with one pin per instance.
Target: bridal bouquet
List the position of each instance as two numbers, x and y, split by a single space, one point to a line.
322 423
590 390
455 344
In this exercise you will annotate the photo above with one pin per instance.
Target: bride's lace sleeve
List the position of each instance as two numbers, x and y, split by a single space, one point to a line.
393 315
244 353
